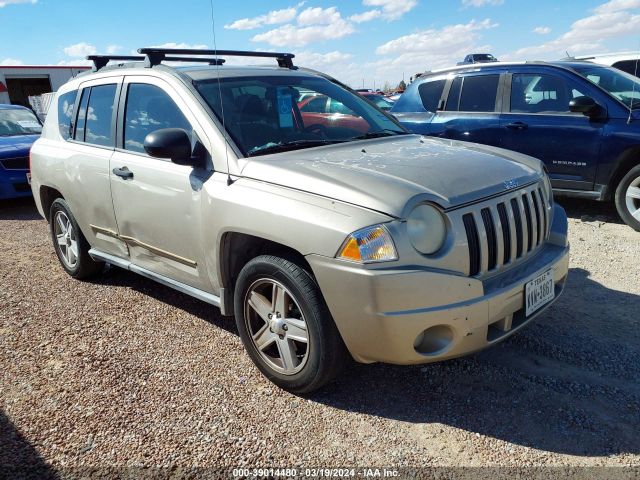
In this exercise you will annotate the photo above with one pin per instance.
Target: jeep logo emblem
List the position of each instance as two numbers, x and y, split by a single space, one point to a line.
511 184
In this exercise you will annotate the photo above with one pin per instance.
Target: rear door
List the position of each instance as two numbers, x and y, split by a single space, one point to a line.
470 111
537 121
90 146
158 204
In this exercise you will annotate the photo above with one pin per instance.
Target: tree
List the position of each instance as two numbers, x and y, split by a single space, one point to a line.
402 86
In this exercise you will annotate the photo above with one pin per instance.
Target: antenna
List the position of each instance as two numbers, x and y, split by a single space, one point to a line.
224 128
633 90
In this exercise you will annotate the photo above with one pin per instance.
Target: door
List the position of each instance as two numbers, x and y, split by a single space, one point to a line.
157 202
89 129
471 110
537 122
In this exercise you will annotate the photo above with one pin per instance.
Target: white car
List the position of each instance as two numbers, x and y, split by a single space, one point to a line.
626 61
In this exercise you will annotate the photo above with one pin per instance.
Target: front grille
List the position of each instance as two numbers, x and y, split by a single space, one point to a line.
19 163
505 230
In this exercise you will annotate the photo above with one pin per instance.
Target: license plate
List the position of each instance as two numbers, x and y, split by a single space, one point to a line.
29 178
538 292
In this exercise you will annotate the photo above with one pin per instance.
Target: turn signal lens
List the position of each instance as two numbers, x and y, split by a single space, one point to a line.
369 245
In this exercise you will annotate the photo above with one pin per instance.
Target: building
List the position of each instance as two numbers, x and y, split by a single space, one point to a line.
18 83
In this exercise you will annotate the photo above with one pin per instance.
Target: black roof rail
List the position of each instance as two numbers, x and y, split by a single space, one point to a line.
100 61
155 56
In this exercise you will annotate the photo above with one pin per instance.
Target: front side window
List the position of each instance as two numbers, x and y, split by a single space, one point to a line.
66 102
630 66
541 93
430 94
268 114
621 85
18 121
149 108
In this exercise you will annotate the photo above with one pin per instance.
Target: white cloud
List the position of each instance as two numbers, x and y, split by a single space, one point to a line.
80 50
11 61
617 5
4 3
333 26
317 60
613 19
318 16
365 16
75 62
541 30
391 9
273 17
481 3
113 49
198 46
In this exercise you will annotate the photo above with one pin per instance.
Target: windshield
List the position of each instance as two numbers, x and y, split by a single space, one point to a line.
276 113
621 85
484 57
16 121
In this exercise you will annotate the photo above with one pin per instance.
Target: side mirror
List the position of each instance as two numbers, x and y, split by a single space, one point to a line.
586 106
171 143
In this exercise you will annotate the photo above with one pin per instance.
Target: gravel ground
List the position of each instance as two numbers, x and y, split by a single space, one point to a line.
123 372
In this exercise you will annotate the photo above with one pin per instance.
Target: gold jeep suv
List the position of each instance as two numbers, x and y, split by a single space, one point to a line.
279 195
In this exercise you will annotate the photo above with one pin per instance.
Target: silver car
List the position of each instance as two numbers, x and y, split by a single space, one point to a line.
328 231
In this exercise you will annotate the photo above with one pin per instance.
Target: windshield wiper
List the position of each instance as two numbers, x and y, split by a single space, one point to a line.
387 132
291 145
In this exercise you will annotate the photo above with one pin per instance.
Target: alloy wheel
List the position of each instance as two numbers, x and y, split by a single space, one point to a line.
67 241
632 198
276 326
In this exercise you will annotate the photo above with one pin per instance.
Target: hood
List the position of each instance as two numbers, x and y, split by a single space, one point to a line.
16 146
390 173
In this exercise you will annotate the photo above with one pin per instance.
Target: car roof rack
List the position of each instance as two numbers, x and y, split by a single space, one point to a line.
101 61
155 56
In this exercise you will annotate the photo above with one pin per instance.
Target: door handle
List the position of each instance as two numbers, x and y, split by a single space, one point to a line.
517 126
123 172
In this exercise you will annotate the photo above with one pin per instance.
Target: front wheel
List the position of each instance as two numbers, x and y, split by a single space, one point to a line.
628 198
285 325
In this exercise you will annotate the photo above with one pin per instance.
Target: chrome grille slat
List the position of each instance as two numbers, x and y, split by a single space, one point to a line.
505 230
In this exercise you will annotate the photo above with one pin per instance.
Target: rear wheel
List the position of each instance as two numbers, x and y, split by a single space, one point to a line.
628 198
69 243
285 325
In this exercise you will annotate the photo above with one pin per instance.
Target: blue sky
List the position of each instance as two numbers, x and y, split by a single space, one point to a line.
358 41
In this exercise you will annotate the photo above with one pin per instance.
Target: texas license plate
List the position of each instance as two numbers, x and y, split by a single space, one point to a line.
538 292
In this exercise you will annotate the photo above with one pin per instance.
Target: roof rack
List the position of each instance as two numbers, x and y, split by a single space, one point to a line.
155 56
101 61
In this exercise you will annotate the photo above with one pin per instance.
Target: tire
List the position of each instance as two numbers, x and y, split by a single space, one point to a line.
276 344
69 243
628 198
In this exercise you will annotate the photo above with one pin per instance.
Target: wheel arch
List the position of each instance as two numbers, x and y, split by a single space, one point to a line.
47 196
236 249
627 160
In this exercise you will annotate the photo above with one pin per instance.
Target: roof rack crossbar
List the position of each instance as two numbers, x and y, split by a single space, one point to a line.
100 61
155 56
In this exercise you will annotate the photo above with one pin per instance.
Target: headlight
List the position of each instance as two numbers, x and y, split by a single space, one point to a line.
427 229
371 244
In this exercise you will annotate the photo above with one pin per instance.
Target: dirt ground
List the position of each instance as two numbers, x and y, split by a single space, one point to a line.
122 372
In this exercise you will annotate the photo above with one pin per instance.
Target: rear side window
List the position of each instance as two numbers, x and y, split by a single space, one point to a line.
430 94
479 93
66 102
95 115
149 108
453 100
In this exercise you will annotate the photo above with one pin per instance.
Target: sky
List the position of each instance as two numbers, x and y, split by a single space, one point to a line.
365 43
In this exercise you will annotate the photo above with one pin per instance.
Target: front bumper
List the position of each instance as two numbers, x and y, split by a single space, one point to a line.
13 184
382 313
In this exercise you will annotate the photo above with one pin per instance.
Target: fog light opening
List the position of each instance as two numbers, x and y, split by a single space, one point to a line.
434 340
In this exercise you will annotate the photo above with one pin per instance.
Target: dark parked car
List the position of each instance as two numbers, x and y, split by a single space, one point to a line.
582 120
478 58
19 128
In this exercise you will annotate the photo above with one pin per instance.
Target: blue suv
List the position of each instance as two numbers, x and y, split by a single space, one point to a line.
582 120
19 128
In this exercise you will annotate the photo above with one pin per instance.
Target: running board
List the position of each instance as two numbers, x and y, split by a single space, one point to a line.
181 287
